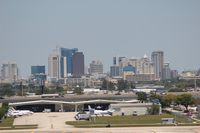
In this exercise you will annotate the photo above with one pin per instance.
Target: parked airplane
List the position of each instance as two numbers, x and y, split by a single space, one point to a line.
16 113
100 112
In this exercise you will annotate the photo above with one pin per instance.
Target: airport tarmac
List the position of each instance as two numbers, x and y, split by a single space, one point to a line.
54 122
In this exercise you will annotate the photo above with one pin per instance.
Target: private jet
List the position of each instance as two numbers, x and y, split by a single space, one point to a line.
99 111
16 113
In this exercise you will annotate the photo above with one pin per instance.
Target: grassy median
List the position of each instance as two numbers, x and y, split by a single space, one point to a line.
126 121
7 124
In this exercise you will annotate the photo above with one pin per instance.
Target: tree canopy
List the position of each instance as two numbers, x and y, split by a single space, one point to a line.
6 90
142 96
154 110
185 100
122 85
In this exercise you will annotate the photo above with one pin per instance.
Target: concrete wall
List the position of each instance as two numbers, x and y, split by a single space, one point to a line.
130 109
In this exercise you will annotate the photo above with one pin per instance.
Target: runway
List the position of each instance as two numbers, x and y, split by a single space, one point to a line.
188 129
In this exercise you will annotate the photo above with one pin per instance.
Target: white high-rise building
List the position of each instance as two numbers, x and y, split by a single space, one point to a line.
134 62
96 67
53 66
9 72
65 67
158 63
144 65
144 69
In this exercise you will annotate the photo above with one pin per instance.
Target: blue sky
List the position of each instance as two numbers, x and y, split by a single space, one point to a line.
31 29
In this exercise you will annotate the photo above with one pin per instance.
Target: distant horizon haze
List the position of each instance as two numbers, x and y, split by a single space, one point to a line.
31 30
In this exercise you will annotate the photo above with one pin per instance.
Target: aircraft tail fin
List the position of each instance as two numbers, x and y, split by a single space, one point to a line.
92 111
89 107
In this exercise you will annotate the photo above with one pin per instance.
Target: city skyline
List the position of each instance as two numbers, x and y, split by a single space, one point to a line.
56 53
101 30
58 65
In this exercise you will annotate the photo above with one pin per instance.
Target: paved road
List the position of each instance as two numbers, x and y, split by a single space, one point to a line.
193 129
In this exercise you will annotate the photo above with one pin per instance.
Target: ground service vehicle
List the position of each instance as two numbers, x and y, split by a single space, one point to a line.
82 116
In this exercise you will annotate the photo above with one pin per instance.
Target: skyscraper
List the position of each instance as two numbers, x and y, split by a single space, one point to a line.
166 71
174 74
9 72
38 73
66 64
114 70
114 61
78 64
144 65
37 69
96 67
53 66
158 63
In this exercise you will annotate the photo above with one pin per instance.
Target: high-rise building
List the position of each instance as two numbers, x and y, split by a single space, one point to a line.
123 61
54 66
174 74
166 71
37 69
134 62
143 65
114 61
158 62
114 71
96 67
38 73
134 69
78 64
9 72
66 64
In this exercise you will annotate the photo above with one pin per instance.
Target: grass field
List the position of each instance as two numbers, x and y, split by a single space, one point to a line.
146 120
8 122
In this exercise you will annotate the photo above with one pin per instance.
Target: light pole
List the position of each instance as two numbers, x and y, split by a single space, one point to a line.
195 84
21 84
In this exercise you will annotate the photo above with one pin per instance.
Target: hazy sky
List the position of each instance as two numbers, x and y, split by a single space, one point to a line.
31 29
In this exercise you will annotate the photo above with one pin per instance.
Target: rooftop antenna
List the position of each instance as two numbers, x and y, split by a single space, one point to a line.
57 48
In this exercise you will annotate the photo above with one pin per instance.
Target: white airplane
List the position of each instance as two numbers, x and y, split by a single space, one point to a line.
100 112
16 113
